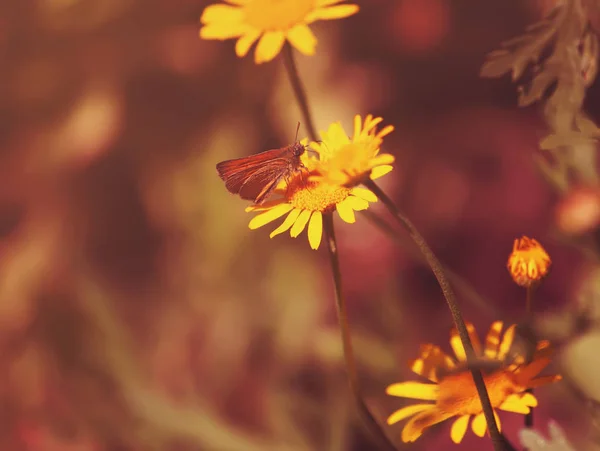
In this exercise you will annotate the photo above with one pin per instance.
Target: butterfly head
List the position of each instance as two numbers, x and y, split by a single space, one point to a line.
298 149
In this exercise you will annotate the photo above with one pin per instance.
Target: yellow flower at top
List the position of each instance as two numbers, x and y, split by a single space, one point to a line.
271 22
452 392
529 262
349 161
308 195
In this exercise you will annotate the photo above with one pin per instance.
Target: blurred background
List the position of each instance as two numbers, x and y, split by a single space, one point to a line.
139 312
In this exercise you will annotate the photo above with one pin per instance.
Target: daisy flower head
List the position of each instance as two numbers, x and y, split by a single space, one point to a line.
271 23
348 161
528 262
304 201
451 392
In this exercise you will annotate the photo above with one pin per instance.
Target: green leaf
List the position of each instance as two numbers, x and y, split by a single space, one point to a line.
556 141
518 52
538 86
586 126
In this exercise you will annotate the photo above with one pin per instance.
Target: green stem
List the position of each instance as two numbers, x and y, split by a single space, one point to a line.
499 442
349 359
528 309
299 91
528 300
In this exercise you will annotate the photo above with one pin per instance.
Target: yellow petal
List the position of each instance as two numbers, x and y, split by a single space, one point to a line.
516 404
224 14
332 12
414 390
316 146
264 207
385 131
237 2
269 216
479 425
507 341
474 338
364 193
336 136
300 223
356 203
459 428
529 400
315 230
457 345
303 39
492 339
223 31
544 380
345 211
431 360
525 374
269 46
244 43
514 407
415 426
322 3
289 221
382 159
408 411
380 171
370 124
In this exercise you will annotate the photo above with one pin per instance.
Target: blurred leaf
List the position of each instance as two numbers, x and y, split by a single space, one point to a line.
522 49
534 441
587 126
570 139
581 366
539 85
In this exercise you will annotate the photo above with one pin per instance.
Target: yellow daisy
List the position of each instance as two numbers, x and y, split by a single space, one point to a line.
452 392
273 21
348 161
529 262
308 195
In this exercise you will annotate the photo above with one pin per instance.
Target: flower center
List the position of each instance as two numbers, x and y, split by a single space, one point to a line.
273 15
458 394
315 196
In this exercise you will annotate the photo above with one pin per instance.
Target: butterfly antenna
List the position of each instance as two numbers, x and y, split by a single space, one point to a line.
297 130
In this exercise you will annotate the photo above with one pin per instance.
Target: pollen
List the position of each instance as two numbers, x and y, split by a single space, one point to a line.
273 15
458 394
312 196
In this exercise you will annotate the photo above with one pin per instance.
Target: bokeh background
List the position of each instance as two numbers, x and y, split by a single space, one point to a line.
138 311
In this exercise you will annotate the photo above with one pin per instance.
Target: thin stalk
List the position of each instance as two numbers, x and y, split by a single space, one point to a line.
299 91
528 309
349 359
528 300
458 281
499 442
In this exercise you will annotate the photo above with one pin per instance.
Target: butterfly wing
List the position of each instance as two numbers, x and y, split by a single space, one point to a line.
264 181
255 177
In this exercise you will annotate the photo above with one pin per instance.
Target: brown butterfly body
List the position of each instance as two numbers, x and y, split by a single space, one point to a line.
256 177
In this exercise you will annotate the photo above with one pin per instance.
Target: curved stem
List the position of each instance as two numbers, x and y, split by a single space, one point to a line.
528 306
342 314
349 358
458 281
299 91
499 442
